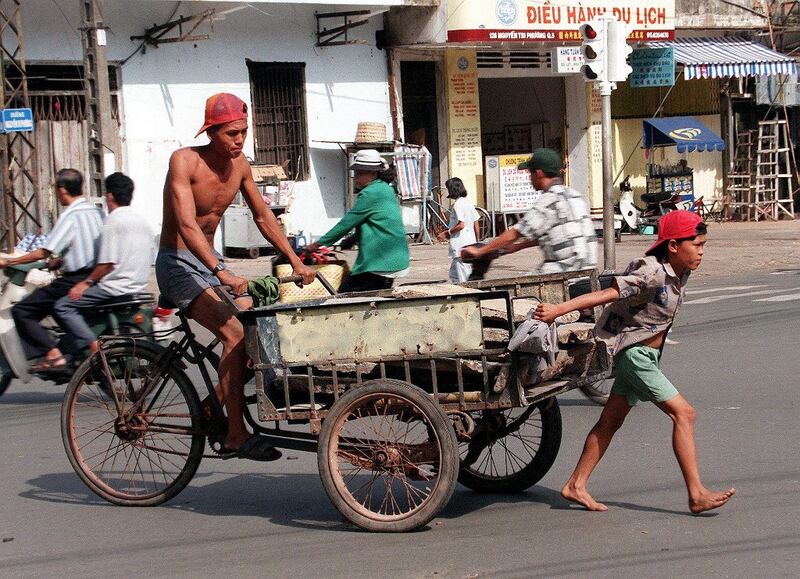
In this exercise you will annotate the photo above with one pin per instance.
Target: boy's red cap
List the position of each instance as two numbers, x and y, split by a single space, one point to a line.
223 108
675 225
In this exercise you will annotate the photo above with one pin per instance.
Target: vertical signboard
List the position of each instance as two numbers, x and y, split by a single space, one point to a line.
464 116
595 136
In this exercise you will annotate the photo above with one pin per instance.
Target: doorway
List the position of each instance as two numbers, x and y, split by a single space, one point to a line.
420 117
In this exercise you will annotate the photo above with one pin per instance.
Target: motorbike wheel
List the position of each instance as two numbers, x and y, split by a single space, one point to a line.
5 381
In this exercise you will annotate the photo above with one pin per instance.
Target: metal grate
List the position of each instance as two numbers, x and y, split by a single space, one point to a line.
279 115
515 59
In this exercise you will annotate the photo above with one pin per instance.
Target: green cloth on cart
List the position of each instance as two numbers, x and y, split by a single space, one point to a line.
263 291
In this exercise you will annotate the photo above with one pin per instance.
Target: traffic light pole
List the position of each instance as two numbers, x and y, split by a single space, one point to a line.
609 238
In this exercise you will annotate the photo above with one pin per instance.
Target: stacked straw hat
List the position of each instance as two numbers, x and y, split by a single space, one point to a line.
370 133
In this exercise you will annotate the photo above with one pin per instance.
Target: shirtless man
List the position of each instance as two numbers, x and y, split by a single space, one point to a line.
200 185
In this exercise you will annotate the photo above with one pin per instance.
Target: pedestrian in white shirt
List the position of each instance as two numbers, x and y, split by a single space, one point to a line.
462 229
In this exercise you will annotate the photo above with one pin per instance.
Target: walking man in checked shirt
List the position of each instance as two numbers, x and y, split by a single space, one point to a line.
559 222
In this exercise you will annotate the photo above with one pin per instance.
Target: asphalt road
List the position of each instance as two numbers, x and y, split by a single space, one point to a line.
735 360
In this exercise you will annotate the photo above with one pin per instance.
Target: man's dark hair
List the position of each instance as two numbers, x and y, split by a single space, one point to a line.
71 181
121 186
661 251
455 188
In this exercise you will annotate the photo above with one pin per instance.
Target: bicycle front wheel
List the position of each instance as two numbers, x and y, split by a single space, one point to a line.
145 453
484 224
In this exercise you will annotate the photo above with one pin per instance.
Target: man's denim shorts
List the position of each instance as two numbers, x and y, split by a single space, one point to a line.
182 277
640 378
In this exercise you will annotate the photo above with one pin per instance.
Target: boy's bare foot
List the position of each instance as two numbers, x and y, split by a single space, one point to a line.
708 500
580 496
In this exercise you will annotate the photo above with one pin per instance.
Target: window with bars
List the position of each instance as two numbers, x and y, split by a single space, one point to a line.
278 91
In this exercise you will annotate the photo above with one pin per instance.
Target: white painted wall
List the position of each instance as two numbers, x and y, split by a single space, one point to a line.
164 90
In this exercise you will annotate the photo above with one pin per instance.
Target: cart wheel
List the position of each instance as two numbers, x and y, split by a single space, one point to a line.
511 450
388 456
599 391
253 252
139 457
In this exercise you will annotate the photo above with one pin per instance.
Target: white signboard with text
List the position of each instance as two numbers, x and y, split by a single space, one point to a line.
508 189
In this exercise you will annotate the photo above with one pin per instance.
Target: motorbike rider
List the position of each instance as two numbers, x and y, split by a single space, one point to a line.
123 263
75 238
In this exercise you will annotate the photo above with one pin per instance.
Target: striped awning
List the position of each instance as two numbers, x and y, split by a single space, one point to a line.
727 56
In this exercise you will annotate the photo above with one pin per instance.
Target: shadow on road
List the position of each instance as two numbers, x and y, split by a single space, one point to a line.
465 501
291 500
11 398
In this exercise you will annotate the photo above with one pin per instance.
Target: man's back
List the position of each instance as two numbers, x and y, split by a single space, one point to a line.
127 242
561 222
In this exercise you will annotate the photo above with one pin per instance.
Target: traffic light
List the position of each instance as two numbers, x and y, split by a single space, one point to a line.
594 51
618 51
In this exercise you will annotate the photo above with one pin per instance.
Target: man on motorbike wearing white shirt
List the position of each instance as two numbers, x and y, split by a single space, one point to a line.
123 263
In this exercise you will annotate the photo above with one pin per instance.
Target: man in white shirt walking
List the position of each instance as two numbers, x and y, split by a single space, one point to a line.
462 229
123 263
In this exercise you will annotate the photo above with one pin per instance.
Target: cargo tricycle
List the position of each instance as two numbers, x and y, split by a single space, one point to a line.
401 394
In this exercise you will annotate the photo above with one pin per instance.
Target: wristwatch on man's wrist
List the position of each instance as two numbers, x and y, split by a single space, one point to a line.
89 281
218 268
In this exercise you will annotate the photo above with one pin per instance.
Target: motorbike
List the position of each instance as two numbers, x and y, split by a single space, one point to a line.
126 315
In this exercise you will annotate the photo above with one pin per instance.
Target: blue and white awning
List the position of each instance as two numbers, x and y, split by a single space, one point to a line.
686 133
727 56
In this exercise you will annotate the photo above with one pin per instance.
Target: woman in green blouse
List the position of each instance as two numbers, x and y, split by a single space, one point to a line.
382 244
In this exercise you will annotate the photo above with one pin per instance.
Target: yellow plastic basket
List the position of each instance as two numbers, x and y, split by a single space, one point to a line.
288 293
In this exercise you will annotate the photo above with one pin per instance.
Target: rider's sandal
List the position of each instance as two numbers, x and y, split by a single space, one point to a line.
254 448
48 365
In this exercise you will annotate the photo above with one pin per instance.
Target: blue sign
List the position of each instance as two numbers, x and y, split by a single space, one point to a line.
652 67
17 120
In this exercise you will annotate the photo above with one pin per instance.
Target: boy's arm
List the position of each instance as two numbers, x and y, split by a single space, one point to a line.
549 312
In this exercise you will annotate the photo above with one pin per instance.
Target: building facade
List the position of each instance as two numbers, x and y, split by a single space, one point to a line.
304 98
525 92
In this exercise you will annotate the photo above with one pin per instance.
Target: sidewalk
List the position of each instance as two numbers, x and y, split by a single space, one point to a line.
731 248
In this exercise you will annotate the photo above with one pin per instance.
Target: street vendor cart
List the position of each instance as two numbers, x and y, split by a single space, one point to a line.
402 396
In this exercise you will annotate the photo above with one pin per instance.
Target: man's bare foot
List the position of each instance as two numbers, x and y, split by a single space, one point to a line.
708 500
581 497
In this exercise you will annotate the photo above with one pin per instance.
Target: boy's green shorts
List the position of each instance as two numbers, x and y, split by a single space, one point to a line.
640 378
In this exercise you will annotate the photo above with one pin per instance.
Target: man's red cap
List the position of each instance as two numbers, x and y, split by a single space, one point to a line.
675 225
223 108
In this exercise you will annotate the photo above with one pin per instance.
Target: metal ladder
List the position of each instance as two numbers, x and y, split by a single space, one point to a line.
773 178
739 190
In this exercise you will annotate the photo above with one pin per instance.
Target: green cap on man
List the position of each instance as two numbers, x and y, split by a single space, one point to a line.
545 159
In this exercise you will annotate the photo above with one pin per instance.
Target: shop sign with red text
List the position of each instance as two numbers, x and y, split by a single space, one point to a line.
554 20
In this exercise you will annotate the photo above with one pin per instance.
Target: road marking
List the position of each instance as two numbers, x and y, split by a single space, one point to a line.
724 289
788 298
671 342
712 299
